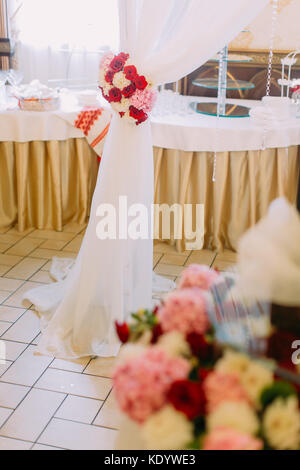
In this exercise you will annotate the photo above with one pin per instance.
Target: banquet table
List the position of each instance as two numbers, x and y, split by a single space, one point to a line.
48 171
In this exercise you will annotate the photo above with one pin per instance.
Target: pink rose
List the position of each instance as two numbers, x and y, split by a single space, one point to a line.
185 311
197 275
219 387
229 439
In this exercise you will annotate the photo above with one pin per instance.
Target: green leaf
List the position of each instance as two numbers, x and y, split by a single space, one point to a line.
279 389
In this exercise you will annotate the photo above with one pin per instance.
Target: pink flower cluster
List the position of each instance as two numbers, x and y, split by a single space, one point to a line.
141 384
219 387
230 439
198 276
129 93
184 310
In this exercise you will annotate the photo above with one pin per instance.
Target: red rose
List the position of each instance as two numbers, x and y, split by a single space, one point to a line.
121 113
199 346
138 114
109 77
188 397
130 72
114 95
129 90
117 63
123 331
140 82
156 333
123 56
103 94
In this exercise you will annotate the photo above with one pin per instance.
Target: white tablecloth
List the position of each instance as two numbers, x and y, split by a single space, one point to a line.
191 132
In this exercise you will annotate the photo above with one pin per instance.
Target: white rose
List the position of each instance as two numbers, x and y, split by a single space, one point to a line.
174 344
235 415
255 379
122 106
281 424
120 81
233 363
167 429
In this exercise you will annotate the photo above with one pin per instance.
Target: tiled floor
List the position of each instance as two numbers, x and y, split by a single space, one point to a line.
46 403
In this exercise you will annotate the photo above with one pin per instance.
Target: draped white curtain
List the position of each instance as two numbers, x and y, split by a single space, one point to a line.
166 39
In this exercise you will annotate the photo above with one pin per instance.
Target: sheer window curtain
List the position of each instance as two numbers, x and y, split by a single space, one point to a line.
167 40
63 39
4 61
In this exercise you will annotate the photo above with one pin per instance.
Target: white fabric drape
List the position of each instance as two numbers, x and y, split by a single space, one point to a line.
166 40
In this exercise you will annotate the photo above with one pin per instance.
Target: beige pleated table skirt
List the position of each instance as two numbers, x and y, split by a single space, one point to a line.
48 184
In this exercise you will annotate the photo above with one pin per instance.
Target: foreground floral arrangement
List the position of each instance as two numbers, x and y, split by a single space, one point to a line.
184 391
130 94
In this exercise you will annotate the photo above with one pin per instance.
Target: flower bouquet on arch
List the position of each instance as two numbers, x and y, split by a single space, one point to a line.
177 387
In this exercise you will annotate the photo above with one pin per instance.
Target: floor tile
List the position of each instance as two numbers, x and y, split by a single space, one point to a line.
48 254
27 369
12 350
53 244
10 260
74 228
109 415
74 245
25 329
24 247
4 327
26 268
169 269
9 285
75 384
51 235
10 314
32 415
79 409
16 299
4 415
156 258
176 259
77 436
3 247
76 365
14 231
36 339
14 444
201 257
4 365
4 295
11 395
160 247
43 447
3 269
101 366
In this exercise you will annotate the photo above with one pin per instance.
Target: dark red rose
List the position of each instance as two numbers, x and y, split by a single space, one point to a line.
123 331
121 113
129 90
109 77
155 310
114 95
140 82
280 348
199 346
117 64
138 114
123 56
130 72
188 397
157 332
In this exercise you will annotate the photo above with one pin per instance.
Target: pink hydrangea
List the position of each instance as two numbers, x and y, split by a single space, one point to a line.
106 60
141 384
185 311
220 387
144 100
197 275
230 439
